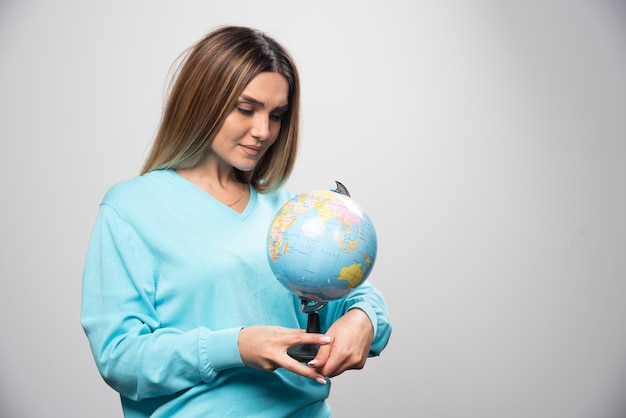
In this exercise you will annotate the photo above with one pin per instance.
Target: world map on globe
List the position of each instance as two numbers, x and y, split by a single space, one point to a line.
321 245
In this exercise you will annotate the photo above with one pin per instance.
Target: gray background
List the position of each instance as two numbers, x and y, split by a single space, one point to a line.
486 139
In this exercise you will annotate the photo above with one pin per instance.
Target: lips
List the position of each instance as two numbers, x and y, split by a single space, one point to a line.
251 150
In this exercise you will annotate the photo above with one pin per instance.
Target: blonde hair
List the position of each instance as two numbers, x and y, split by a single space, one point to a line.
212 75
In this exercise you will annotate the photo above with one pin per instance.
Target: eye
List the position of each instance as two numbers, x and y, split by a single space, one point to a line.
245 111
277 117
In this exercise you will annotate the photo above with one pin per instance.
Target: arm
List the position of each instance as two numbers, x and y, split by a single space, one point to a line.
134 353
362 329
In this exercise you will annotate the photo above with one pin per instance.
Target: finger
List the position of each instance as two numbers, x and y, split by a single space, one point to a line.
303 370
321 357
312 338
335 362
334 366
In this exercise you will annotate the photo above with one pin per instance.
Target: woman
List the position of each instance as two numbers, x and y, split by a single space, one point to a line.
182 312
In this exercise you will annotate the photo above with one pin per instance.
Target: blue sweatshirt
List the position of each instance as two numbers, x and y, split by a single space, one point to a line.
170 278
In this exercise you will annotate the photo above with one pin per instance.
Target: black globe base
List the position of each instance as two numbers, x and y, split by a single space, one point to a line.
307 352
304 352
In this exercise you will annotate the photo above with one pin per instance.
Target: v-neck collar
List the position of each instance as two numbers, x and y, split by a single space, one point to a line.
212 200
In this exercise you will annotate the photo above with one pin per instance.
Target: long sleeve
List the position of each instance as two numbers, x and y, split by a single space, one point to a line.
135 354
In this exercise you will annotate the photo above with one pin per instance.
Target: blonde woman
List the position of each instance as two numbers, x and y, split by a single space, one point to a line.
183 314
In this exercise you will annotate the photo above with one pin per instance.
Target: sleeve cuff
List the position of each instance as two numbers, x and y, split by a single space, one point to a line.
217 351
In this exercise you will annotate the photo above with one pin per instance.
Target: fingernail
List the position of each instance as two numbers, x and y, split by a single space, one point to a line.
312 363
324 339
321 380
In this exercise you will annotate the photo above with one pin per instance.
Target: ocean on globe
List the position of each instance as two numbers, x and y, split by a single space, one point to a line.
321 245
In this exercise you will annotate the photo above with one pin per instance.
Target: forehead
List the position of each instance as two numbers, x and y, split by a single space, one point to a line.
269 88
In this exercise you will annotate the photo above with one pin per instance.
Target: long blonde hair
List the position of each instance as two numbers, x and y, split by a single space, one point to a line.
212 75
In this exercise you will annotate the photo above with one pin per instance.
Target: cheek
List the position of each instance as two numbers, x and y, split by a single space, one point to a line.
275 128
232 128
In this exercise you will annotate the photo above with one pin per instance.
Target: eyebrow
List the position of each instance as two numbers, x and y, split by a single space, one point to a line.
258 103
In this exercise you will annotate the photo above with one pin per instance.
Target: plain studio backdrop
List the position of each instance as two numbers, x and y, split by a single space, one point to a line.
486 139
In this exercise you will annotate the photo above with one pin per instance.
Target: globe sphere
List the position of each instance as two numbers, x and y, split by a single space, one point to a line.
321 245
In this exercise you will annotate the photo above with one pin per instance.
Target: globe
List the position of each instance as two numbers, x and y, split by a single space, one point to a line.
321 245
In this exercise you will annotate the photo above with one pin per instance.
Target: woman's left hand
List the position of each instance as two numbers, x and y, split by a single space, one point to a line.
351 338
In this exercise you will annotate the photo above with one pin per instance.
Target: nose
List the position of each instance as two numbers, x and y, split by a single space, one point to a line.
261 127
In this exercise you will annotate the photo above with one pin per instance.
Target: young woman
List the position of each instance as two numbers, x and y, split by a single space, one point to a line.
183 314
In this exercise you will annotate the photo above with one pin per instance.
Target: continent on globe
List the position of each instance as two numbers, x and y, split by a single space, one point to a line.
321 245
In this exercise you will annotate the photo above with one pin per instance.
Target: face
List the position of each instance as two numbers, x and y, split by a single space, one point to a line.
253 125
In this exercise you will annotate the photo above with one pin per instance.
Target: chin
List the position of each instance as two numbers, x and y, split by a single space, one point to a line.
245 164
245 168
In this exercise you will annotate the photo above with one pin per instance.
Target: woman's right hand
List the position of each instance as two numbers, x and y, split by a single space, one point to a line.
265 348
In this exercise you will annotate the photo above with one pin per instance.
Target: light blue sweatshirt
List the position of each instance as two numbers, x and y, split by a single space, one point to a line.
171 276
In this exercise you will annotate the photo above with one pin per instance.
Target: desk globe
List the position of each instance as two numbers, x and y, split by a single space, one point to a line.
321 245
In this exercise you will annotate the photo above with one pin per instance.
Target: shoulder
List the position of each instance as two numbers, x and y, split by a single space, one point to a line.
276 198
144 188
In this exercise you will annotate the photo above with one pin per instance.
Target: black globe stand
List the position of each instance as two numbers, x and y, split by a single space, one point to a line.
307 352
